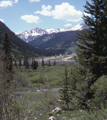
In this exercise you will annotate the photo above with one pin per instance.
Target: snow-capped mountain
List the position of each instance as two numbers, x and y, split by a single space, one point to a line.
32 34
79 27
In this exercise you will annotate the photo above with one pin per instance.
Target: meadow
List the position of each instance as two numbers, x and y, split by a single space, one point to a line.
38 91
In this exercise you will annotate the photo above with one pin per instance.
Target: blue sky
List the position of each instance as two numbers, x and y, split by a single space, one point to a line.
21 15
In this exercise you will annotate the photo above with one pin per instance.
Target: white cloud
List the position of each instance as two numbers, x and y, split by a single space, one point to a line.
5 3
1 20
68 25
16 1
30 18
46 11
34 1
65 12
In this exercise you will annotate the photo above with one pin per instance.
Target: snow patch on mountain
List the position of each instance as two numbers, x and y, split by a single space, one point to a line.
50 31
81 26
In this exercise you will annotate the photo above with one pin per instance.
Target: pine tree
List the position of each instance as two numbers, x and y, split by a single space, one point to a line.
54 62
15 64
80 87
6 49
6 56
7 84
49 63
35 65
26 62
65 89
20 62
42 62
92 46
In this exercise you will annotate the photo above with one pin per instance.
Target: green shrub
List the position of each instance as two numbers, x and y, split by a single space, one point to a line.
100 92
34 79
21 79
54 83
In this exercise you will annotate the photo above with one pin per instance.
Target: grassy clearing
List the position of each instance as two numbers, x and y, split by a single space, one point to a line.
46 75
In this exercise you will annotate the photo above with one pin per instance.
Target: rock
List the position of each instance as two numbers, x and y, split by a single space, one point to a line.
52 118
38 90
64 118
57 110
60 100
80 110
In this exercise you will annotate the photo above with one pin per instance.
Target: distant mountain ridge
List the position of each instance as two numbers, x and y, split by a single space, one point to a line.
30 35
58 41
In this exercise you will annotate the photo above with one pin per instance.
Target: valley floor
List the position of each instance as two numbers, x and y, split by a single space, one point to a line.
39 93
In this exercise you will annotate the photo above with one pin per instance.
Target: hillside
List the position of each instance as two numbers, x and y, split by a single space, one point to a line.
56 42
19 47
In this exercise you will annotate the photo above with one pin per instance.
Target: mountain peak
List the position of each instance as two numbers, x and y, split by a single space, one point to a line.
80 26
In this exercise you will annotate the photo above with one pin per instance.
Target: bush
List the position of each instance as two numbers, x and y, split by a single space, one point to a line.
100 92
21 79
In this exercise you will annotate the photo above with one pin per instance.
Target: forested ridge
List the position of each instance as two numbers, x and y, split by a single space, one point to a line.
19 47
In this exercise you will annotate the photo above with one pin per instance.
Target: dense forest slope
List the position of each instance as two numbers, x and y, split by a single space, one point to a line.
56 42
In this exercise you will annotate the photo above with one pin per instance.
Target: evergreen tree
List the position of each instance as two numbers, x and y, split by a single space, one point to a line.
65 89
54 62
26 63
20 62
15 64
35 65
6 57
49 63
7 84
6 53
42 62
92 46
10 108
80 87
